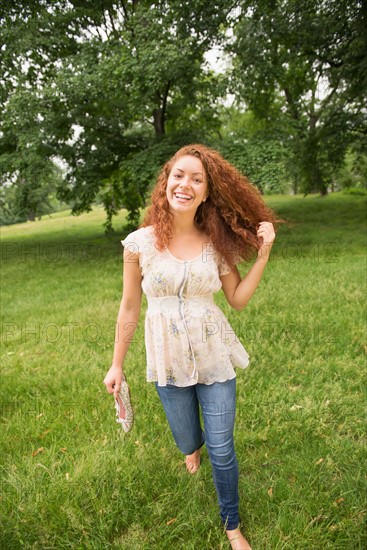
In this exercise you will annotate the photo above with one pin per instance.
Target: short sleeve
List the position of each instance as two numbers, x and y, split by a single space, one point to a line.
138 241
223 267
132 243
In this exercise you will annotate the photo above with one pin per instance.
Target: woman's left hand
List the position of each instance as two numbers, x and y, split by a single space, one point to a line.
267 233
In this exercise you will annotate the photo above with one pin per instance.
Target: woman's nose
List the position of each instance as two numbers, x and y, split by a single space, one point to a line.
184 182
183 186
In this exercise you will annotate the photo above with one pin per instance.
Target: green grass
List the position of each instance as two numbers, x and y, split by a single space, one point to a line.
301 404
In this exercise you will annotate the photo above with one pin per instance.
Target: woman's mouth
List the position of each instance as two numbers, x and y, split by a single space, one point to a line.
182 197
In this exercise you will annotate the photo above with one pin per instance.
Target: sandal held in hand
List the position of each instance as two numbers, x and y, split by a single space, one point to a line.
124 411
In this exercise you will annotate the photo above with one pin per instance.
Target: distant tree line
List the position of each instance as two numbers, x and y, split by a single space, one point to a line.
97 94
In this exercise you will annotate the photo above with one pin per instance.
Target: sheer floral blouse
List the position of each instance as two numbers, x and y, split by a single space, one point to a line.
187 337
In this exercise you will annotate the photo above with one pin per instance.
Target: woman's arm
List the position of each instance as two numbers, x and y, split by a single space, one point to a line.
127 319
239 292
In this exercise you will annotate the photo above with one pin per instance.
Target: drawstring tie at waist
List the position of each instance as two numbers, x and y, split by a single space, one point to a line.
171 304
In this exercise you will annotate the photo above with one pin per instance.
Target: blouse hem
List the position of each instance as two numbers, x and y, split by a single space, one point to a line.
193 383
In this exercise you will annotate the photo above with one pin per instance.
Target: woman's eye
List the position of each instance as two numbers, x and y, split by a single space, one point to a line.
177 175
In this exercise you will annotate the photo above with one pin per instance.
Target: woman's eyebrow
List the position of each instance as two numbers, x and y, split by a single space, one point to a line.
194 173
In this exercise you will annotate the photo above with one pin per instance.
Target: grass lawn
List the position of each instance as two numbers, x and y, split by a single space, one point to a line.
72 479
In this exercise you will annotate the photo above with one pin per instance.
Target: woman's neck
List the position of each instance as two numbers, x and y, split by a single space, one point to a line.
182 225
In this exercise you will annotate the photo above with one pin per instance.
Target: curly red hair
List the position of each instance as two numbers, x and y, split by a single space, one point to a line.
229 216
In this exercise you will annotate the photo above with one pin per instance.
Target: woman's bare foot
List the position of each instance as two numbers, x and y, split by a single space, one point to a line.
237 540
193 462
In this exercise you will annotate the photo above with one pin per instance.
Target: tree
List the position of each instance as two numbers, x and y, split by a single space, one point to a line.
29 195
301 63
108 79
27 175
255 148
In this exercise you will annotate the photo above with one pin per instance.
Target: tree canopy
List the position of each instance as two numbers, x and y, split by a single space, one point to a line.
110 89
301 65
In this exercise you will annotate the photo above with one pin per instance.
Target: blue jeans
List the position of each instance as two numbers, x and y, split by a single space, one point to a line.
218 406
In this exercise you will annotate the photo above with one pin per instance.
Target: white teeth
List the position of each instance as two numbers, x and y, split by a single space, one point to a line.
182 196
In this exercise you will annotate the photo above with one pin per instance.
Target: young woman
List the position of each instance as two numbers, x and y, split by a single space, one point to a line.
204 218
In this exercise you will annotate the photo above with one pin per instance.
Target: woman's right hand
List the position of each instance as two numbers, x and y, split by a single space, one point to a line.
113 380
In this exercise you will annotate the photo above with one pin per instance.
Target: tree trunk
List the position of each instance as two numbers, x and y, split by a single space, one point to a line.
324 191
158 121
159 114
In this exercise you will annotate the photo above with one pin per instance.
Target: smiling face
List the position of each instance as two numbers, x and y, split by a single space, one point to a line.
187 185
